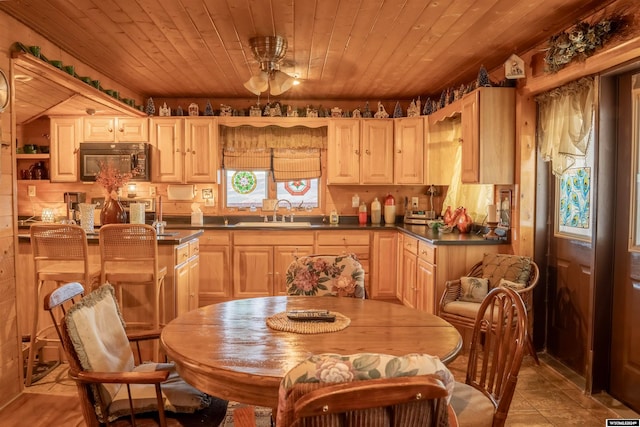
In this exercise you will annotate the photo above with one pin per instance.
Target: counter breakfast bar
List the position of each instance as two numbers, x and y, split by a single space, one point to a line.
177 250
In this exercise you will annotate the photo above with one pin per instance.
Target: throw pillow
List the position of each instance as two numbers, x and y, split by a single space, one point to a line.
514 268
474 289
513 285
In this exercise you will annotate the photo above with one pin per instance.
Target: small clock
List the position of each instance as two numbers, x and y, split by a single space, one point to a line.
4 91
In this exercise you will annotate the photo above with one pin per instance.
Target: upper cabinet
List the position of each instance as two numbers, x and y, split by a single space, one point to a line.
360 151
115 129
488 136
65 136
483 121
408 156
186 149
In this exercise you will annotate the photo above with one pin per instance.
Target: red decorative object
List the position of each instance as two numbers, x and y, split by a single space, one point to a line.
112 212
297 188
464 221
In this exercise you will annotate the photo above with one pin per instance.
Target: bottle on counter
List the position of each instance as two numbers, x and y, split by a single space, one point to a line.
376 212
389 209
333 217
362 214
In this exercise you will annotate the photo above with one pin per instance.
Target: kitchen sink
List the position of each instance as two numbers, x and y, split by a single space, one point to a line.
259 224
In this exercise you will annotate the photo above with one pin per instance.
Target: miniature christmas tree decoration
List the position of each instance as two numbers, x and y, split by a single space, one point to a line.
397 111
208 109
151 107
483 77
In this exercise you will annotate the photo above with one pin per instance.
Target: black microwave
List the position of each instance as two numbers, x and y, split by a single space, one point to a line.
124 156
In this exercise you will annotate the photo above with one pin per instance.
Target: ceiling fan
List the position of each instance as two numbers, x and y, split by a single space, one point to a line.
269 51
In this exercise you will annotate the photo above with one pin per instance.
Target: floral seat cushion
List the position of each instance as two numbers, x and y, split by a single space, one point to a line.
335 368
317 275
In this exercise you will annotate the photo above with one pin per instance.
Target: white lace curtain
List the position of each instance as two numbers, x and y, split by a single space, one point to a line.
566 116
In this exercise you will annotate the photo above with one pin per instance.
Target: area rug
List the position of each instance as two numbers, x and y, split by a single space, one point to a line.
263 415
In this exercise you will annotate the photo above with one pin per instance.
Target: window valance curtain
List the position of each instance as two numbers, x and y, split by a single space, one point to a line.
249 137
289 153
566 119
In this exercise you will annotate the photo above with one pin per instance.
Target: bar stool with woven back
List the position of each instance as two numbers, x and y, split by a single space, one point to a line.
129 257
60 255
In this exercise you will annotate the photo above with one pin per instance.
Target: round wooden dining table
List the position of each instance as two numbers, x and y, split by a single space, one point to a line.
227 350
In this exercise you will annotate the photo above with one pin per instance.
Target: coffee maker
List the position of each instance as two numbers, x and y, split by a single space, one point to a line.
72 199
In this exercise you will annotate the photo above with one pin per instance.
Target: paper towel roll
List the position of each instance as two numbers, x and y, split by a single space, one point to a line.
136 213
180 192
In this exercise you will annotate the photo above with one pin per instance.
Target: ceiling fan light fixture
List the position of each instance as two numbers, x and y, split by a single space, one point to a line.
269 51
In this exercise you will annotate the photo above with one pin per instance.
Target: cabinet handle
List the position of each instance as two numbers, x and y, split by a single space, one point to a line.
193 152
399 151
460 140
177 150
367 151
121 130
357 152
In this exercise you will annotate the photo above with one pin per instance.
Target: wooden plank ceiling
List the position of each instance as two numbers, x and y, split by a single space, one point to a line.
340 49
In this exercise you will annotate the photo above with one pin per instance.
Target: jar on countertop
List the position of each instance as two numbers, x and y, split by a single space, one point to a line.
389 209
376 212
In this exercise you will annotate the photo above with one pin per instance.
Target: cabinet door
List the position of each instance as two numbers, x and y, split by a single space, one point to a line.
409 265
283 257
65 134
168 156
194 281
443 139
99 129
384 265
426 286
377 151
201 149
181 286
132 129
470 169
343 151
408 158
252 271
215 273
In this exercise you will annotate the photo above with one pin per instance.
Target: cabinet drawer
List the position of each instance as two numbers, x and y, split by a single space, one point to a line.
182 253
427 252
215 238
272 238
411 245
342 238
194 247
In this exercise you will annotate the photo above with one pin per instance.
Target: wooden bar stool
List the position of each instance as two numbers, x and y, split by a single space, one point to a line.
60 255
129 256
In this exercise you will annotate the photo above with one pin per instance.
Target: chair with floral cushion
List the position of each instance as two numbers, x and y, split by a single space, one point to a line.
461 299
318 275
110 385
402 391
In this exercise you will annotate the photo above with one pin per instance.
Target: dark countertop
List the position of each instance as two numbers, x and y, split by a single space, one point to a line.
169 237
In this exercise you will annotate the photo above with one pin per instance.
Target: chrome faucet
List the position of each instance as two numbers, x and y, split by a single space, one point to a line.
275 210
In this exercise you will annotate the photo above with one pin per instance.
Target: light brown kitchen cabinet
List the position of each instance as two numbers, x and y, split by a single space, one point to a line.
115 129
200 150
426 298
360 151
65 142
187 276
259 266
409 268
488 136
215 268
167 158
443 140
408 157
384 265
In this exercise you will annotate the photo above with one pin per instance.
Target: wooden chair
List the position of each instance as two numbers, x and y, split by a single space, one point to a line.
495 357
129 256
462 313
60 255
111 387
319 275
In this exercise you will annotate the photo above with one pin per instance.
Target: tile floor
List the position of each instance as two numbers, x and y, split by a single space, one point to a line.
546 395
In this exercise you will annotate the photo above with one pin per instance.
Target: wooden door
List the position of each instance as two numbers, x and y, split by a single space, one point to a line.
408 156
65 136
215 268
168 156
99 129
384 265
377 151
343 151
625 331
201 148
194 282
252 271
470 167
131 129
409 266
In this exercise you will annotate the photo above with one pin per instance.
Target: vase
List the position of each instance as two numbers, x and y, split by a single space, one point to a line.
86 216
464 222
112 211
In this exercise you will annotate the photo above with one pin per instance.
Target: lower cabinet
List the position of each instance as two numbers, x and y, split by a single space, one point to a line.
408 280
215 268
259 266
426 278
187 276
384 265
